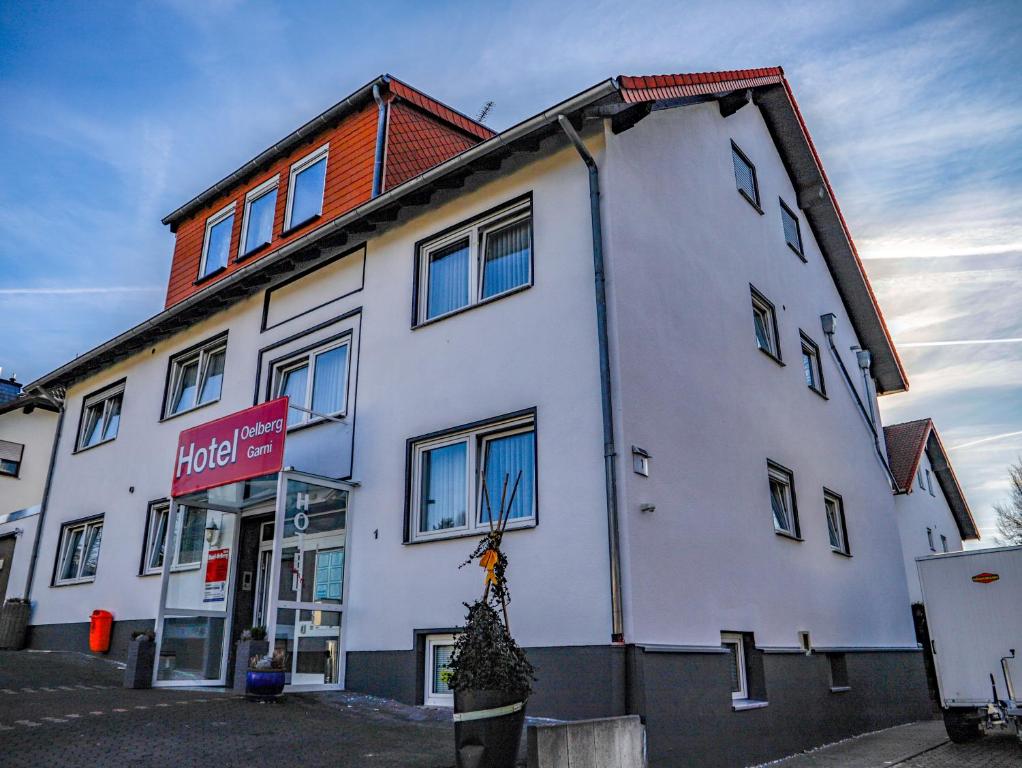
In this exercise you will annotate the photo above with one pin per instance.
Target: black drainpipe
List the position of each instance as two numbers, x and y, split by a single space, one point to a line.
609 450
381 127
43 504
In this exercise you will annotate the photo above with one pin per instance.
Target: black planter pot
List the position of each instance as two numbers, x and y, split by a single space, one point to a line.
487 728
138 672
14 625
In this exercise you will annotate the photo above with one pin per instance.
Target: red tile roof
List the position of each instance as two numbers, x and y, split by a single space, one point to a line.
905 444
445 113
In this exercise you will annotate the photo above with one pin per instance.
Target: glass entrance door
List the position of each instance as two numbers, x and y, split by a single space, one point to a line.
196 597
307 569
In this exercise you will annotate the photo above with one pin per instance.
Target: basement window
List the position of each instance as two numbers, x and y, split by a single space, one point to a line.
739 672
745 177
838 672
305 188
216 246
439 650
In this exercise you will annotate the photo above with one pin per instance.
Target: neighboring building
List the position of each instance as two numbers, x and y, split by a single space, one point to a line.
933 516
705 532
28 426
9 389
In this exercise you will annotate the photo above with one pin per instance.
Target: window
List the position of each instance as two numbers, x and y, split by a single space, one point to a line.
78 555
929 539
837 529
449 472
10 457
196 377
929 482
943 542
838 672
792 231
745 176
101 417
479 261
764 323
735 645
257 221
329 574
305 189
782 500
189 534
919 477
439 650
217 244
811 367
316 380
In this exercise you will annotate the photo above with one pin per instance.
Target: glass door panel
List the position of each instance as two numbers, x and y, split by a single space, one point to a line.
311 642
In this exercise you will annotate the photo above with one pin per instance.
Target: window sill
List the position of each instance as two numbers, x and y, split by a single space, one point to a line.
316 422
467 307
252 252
475 533
798 253
82 449
740 705
819 392
299 225
186 567
751 202
210 275
786 535
771 355
194 408
841 553
840 688
75 582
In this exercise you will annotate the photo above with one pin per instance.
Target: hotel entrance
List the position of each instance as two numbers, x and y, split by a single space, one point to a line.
273 555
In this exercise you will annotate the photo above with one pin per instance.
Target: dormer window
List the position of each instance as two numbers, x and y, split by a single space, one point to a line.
257 222
305 189
217 245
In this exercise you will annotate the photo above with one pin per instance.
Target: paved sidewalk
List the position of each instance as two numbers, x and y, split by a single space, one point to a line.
916 745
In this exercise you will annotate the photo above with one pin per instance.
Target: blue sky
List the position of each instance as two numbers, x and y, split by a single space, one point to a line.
113 114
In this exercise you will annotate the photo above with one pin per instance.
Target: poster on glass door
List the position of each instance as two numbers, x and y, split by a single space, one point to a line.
215 590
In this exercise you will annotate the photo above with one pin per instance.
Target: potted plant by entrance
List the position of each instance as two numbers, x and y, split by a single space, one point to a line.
14 623
489 673
252 643
265 679
138 671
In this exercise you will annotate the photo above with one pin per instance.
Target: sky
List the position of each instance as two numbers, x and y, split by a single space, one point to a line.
114 114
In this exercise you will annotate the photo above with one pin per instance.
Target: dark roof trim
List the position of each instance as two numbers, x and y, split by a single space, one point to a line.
949 485
28 401
258 274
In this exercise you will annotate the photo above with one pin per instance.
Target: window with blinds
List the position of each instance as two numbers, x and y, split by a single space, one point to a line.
10 457
745 176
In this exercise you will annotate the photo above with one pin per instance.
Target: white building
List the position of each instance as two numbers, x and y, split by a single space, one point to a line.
644 298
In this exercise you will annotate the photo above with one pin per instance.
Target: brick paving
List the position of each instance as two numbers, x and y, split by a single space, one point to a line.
997 750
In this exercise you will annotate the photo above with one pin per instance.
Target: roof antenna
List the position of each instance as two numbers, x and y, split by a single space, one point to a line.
487 107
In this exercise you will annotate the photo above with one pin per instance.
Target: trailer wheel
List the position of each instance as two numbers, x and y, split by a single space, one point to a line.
962 725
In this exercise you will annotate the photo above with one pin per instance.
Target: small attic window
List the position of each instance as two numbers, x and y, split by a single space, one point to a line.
792 231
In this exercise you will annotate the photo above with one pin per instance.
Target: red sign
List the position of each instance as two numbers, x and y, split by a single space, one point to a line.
215 590
985 578
241 446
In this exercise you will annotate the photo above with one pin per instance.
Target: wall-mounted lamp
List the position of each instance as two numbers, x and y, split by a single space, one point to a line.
212 532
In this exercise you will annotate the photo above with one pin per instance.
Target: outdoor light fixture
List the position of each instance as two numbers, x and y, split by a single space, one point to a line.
212 532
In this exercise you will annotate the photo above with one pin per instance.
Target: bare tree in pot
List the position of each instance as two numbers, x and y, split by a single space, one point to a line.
489 674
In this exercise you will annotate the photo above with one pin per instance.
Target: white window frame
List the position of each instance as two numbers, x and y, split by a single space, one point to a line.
158 510
296 168
8 450
308 358
840 523
429 698
736 642
475 441
211 222
105 400
919 477
63 552
929 482
799 247
943 542
475 232
929 539
762 304
777 473
811 350
267 187
181 361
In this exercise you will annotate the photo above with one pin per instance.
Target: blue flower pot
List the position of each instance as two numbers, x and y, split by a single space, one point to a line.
264 684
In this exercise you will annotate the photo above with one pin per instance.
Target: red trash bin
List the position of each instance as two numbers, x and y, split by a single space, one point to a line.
100 624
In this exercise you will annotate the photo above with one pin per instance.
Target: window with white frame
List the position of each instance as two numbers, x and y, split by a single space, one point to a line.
764 323
745 176
782 499
196 377
101 417
78 556
190 531
315 380
10 457
735 644
458 479
929 482
919 477
216 245
811 367
792 230
481 260
837 530
439 650
305 187
929 539
257 219
943 542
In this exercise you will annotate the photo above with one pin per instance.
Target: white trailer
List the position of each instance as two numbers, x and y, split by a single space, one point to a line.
973 603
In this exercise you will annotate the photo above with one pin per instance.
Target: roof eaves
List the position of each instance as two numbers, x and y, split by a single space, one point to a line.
950 486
